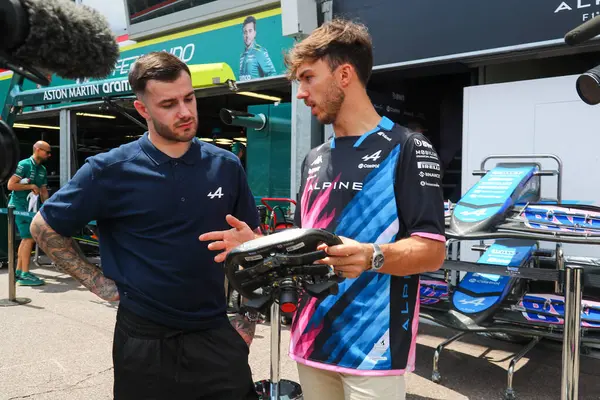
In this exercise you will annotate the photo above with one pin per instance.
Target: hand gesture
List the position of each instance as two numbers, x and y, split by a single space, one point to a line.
227 240
349 259
35 189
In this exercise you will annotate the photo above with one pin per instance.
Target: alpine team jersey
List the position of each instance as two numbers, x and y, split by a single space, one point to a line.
377 188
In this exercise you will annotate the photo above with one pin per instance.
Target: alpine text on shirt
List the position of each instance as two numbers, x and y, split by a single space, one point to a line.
376 188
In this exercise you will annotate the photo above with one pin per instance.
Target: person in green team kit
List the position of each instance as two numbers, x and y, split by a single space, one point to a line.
254 61
29 180
240 151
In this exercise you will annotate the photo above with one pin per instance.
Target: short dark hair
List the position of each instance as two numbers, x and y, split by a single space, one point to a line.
337 42
248 20
158 65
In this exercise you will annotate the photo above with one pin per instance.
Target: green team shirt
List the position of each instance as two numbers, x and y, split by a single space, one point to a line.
256 63
35 174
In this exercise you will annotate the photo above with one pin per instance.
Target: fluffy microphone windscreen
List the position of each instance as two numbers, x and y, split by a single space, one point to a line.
72 41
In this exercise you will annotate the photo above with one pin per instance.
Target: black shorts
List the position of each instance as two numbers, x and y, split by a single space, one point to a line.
156 362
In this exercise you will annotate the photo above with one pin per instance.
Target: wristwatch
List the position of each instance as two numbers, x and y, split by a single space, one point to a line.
377 260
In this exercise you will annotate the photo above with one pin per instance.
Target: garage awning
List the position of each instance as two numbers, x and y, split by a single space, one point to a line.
203 76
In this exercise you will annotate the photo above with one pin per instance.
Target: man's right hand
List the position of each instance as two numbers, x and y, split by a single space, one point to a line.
34 189
227 240
106 289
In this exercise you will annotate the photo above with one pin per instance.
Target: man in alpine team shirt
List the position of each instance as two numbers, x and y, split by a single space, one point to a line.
377 185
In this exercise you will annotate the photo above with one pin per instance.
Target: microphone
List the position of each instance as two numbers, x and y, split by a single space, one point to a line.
56 37
585 31
39 38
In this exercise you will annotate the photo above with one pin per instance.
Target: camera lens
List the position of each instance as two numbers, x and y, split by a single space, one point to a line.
588 86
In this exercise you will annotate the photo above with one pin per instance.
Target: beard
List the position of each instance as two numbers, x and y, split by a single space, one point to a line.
167 133
334 98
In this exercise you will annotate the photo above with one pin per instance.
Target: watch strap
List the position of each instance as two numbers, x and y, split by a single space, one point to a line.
376 252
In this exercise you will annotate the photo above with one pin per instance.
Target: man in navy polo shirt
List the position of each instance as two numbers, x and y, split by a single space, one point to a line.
152 198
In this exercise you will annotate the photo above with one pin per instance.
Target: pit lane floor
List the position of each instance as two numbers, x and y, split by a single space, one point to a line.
59 347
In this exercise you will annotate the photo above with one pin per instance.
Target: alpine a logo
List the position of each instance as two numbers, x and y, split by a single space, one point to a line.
218 193
370 157
373 157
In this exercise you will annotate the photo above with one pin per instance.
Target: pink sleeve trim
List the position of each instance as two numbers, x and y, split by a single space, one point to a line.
432 236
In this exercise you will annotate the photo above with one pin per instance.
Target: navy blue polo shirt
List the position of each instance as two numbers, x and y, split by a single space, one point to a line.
150 210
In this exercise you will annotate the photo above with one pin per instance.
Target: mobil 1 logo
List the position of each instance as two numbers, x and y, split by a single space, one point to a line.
426 154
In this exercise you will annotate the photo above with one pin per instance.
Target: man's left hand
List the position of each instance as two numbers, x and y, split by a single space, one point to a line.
349 259
227 240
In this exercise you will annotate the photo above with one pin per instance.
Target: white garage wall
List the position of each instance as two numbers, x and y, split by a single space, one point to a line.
535 116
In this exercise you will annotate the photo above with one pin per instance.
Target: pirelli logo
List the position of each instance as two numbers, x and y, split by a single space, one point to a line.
428 165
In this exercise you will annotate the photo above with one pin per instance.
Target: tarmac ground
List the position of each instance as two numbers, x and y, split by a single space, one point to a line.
59 347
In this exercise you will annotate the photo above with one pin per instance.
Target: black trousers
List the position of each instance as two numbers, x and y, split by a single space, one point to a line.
156 362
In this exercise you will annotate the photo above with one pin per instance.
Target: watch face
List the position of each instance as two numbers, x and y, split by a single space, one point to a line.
378 261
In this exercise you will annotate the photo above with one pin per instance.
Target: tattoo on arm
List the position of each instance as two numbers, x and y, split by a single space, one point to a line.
244 327
67 256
